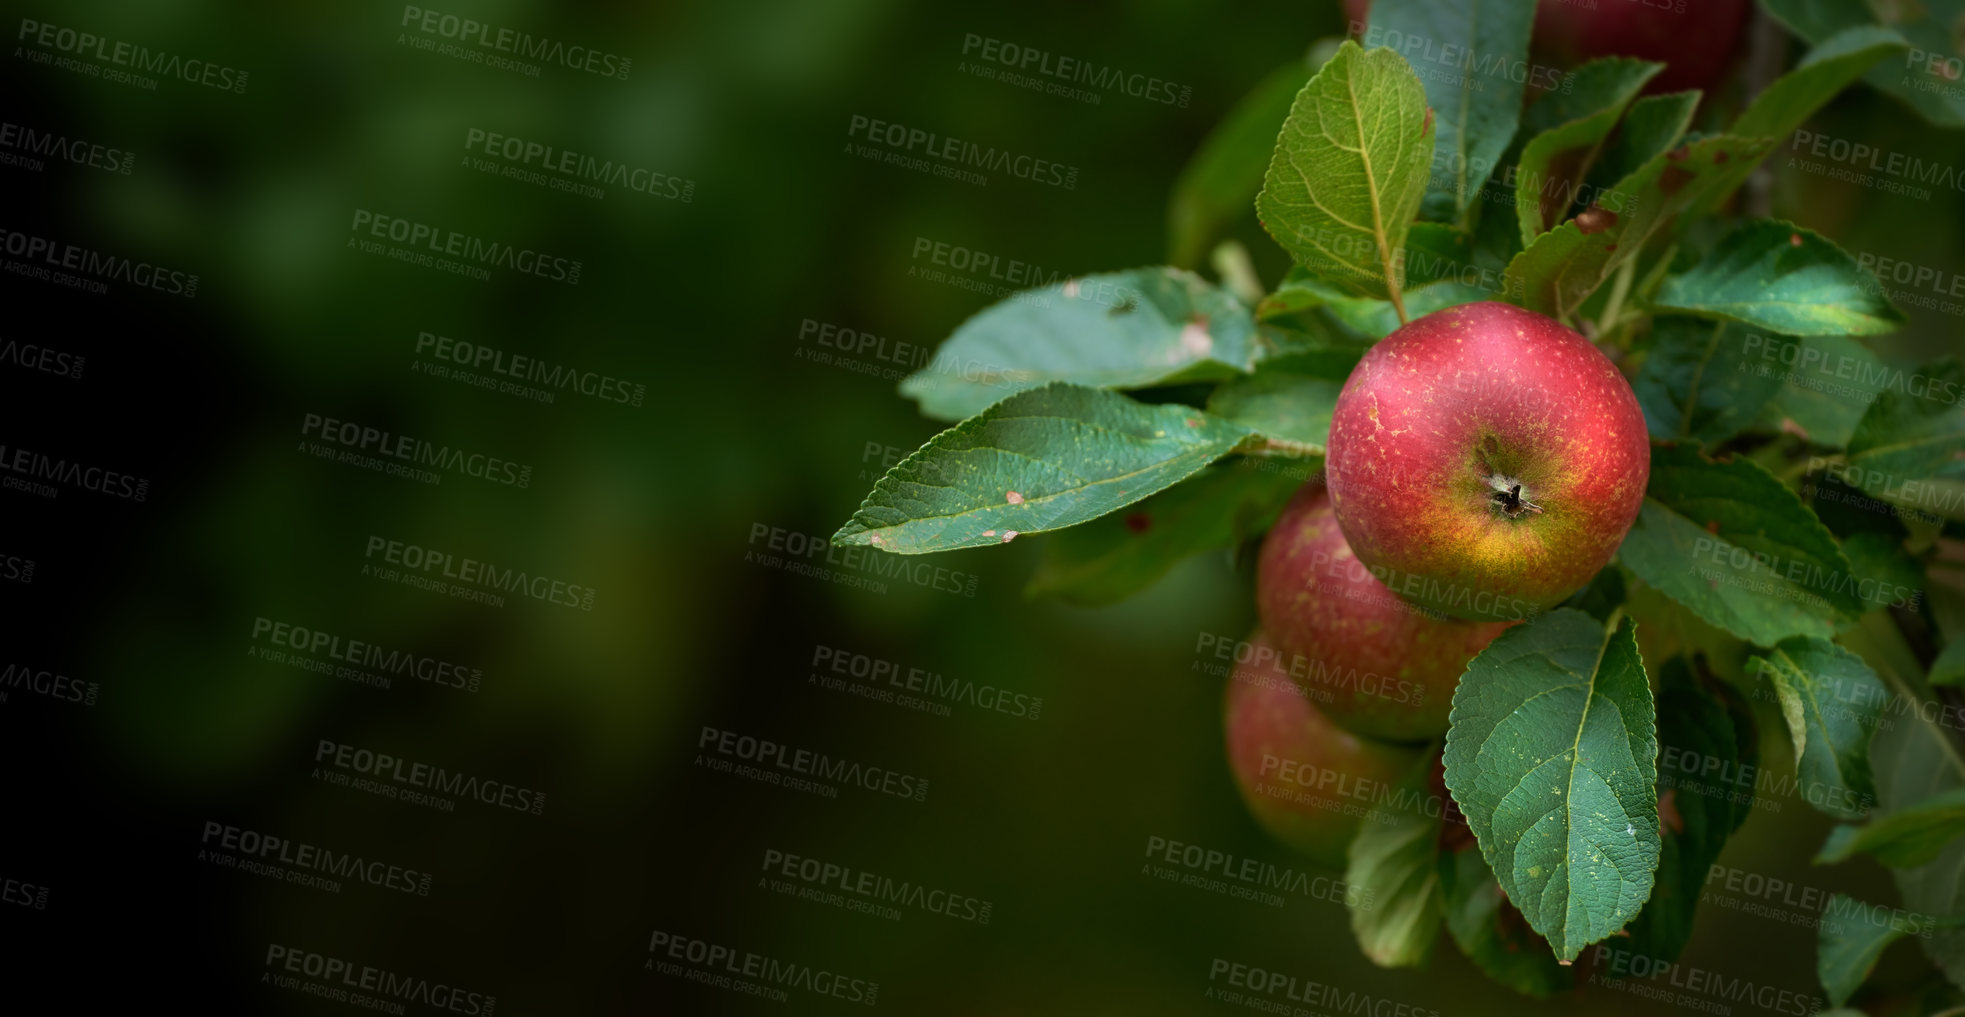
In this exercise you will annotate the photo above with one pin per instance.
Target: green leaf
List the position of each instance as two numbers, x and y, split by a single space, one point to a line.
1394 861
1909 448
1300 291
1290 398
1552 757
1476 99
1784 279
1791 99
1349 171
1040 460
1558 158
1653 125
1120 554
1914 759
1878 558
1832 702
1222 178
1492 933
1132 329
1901 840
1738 548
1557 273
1852 937
1927 26
1701 380
1949 668
1435 252
1823 391
1376 319
1700 725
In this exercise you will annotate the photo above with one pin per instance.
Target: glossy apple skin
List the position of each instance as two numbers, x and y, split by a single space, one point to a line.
1451 411
1371 662
1695 39
1306 780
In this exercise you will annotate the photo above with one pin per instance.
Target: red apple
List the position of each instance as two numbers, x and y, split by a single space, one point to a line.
1694 39
1485 461
1306 780
1372 662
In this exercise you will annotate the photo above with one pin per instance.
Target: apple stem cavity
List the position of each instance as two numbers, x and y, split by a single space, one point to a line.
1508 495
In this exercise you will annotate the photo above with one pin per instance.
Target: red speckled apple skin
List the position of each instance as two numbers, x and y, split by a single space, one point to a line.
1443 417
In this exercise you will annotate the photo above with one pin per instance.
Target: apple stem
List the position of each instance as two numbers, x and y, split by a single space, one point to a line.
1619 289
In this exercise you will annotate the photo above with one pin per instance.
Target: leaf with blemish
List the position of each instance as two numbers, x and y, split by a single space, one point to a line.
1652 127
1735 546
1782 278
1132 329
1557 273
1824 389
1552 756
1558 158
1040 460
1349 171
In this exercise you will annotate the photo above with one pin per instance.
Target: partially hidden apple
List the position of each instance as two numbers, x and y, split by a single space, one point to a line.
1696 40
1370 661
1485 461
1306 780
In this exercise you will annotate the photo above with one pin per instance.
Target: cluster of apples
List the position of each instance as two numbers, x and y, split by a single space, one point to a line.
1484 464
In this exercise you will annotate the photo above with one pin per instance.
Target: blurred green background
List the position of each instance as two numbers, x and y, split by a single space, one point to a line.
659 509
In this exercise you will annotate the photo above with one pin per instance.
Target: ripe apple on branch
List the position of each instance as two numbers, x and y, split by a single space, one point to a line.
1525 455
